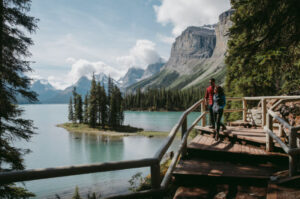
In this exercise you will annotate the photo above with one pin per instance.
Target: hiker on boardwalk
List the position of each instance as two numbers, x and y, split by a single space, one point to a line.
218 107
209 95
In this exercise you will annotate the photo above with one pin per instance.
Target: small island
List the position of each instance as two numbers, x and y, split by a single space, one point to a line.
101 113
124 130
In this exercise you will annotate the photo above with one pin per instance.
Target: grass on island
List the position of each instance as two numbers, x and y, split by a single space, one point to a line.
124 130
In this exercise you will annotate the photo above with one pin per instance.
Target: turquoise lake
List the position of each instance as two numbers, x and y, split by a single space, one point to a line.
52 146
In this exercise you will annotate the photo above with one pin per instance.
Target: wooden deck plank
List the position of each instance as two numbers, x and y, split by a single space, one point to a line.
208 143
205 167
280 192
250 134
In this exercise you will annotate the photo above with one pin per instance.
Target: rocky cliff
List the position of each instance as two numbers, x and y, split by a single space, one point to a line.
194 44
197 55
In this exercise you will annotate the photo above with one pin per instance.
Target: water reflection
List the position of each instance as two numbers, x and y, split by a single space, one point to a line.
53 146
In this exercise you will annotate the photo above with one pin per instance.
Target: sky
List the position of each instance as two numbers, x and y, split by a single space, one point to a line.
79 37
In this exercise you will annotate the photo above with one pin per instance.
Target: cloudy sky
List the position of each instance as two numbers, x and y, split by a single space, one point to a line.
79 37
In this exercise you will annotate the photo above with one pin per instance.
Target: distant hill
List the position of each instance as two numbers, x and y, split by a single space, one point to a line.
47 94
135 74
197 55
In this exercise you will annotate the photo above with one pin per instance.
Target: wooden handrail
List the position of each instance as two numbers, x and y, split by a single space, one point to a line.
26 175
291 149
35 174
162 150
168 174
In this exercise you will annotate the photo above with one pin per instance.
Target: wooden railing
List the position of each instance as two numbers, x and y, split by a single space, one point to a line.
291 131
158 185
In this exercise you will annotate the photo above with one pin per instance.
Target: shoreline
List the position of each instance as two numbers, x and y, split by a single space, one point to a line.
83 128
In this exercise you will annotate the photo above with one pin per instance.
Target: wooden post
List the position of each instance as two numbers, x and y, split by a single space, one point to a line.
183 131
203 121
264 111
269 139
155 176
293 158
280 129
244 110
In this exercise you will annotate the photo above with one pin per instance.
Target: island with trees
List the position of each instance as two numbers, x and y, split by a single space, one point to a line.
101 113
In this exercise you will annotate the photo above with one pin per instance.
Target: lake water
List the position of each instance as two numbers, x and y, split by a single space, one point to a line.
53 146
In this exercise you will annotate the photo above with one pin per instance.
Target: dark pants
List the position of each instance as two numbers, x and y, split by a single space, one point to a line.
212 118
217 118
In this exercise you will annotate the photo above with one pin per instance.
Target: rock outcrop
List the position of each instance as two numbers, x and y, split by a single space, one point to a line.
194 44
132 76
197 55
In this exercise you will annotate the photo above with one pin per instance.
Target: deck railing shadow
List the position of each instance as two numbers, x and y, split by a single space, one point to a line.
160 185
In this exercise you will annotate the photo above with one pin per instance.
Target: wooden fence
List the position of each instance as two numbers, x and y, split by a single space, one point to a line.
160 185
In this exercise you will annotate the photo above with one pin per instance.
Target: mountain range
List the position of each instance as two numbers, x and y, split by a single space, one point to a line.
197 55
47 94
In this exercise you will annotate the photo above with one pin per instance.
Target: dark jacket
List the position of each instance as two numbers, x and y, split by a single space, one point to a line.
219 102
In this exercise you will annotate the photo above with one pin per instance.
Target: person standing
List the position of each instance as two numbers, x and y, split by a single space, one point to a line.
218 107
209 94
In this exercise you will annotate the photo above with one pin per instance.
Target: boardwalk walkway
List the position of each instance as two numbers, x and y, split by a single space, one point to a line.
237 166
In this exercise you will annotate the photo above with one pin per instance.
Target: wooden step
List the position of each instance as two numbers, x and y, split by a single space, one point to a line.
217 170
204 146
283 192
256 135
253 136
221 191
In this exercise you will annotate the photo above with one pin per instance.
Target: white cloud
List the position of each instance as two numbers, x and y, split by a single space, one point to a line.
54 51
70 60
141 55
184 13
86 68
81 68
58 82
166 39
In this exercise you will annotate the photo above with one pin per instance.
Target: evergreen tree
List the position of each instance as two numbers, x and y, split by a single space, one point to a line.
78 109
71 114
263 50
76 194
14 21
103 107
158 99
93 103
112 109
74 93
99 100
85 110
119 106
110 88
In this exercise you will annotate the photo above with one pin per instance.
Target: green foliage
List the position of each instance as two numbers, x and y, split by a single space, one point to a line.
93 104
71 114
75 105
162 99
103 109
76 194
14 24
85 110
135 181
99 109
78 108
263 50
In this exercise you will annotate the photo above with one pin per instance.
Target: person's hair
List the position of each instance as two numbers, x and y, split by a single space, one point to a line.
220 90
212 80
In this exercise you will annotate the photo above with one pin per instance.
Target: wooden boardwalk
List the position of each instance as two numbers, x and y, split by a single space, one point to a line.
212 165
209 144
256 135
237 166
